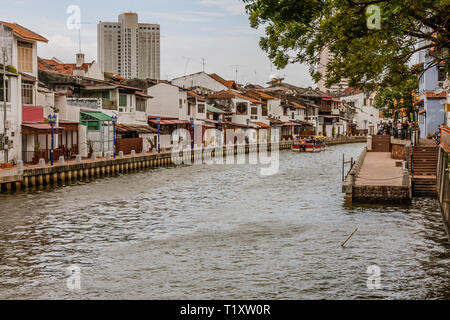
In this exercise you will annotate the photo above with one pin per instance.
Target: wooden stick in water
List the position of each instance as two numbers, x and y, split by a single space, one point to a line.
345 242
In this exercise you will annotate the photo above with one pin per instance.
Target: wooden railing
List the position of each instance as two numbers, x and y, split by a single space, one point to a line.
33 157
445 138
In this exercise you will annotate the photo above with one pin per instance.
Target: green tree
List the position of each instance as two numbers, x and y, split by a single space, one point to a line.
298 30
389 99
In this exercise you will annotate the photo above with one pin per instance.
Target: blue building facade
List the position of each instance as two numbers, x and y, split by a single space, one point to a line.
432 93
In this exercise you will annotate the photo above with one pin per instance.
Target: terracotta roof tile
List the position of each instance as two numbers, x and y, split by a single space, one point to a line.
24 33
229 84
193 94
433 95
230 95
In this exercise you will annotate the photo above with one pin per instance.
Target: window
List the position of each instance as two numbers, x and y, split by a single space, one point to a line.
201 108
141 105
442 75
122 100
27 93
106 95
25 56
241 108
254 111
2 91
264 111
181 103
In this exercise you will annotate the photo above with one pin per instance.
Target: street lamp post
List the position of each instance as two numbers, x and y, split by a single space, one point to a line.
192 132
246 136
114 121
52 122
220 129
158 123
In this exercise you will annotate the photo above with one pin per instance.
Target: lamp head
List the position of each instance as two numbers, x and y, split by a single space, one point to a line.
52 118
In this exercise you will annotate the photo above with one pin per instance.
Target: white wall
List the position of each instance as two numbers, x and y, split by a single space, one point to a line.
165 101
367 113
200 79
95 72
14 116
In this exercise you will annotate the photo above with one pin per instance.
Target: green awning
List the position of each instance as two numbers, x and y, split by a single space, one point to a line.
213 109
100 116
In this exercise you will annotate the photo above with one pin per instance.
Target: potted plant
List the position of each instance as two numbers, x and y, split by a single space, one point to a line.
37 152
90 145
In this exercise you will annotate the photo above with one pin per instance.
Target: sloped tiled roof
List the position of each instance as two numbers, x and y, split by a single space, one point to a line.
24 33
230 84
230 95
193 94
65 68
433 95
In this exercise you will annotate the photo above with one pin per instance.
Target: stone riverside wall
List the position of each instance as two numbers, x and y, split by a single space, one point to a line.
381 194
349 182
444 186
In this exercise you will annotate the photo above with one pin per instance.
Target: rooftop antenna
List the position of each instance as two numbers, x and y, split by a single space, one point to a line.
236 67
79 35
204 64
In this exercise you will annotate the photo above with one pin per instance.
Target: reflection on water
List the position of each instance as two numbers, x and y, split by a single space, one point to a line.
221 232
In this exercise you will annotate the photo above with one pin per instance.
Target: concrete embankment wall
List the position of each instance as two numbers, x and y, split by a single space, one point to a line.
381 194
444 186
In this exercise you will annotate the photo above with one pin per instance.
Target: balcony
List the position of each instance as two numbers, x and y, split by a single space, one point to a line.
109 104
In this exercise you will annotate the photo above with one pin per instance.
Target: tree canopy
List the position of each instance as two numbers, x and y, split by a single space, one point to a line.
298 30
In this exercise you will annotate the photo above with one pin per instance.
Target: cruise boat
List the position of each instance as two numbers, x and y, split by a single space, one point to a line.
316 144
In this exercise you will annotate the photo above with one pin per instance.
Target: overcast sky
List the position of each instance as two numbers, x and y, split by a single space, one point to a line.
217 30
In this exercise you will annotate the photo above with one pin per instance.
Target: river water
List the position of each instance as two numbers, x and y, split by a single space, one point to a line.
221 232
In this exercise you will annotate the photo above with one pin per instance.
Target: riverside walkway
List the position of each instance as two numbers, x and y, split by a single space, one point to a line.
379 169
377 177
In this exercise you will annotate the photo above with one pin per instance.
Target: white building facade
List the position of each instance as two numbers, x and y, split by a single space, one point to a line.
367 117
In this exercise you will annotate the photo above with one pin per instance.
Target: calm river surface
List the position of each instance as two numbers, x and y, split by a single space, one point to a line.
220 232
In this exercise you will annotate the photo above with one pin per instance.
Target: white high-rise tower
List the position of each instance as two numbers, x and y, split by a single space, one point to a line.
128 48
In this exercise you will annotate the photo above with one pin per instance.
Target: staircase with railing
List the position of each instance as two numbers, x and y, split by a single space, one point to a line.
423 161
